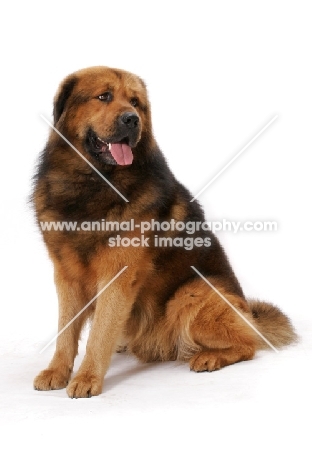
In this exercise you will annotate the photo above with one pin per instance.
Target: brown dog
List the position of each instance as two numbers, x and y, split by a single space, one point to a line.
158 305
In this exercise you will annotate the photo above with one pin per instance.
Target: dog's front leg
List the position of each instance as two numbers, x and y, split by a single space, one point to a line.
72 296
112 309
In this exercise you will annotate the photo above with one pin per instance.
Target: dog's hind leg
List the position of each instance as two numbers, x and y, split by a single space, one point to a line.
223 334
211 334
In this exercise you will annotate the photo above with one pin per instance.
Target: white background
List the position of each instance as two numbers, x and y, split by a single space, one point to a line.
216 72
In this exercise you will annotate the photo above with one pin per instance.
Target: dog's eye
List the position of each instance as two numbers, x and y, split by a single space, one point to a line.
106 97
134 102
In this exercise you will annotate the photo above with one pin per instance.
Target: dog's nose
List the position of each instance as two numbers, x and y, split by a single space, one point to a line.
130 119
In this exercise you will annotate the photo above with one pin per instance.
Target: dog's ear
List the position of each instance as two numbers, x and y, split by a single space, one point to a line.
62 96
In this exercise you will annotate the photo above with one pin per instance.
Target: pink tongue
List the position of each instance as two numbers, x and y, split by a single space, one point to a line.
121 153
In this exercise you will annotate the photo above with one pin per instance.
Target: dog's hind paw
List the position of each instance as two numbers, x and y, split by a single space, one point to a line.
206 361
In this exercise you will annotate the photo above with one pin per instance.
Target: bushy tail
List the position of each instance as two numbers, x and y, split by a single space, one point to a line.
272 324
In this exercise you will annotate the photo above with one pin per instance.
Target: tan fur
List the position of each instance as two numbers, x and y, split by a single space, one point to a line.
272 323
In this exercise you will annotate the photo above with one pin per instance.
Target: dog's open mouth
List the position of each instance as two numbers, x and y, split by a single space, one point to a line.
110 152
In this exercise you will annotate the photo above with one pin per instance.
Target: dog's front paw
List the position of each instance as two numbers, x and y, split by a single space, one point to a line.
51 379
84 385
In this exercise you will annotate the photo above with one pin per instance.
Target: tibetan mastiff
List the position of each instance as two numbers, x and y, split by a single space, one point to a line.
131 252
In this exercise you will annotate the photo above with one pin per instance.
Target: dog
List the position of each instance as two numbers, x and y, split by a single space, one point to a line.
164 292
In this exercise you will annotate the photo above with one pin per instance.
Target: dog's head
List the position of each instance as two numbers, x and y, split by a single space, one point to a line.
104 112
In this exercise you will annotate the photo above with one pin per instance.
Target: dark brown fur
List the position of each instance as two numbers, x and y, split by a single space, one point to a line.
158 306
